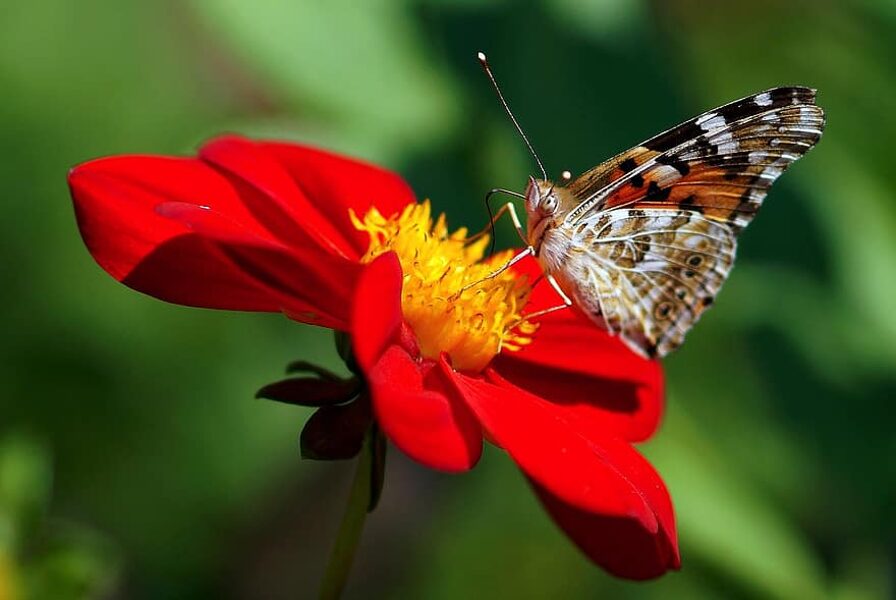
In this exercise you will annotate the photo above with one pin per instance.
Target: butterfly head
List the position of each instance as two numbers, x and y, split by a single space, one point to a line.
543 203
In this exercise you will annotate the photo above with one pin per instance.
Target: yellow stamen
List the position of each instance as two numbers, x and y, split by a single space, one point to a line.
471 327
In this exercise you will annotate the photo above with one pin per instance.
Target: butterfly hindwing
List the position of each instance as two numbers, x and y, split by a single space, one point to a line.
649 274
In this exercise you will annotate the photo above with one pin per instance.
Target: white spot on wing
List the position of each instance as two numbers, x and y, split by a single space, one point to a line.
763 99
725 143
711 121
771 173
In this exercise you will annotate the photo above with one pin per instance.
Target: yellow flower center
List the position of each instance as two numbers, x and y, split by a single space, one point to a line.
471 326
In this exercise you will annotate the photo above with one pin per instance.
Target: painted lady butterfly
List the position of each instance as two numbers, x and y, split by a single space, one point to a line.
643 242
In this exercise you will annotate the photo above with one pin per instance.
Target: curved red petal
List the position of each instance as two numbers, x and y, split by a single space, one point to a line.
595 473
336 184
568 341
621 546
577 364
422 414
273 196
416 408
631 410
175 229
376 309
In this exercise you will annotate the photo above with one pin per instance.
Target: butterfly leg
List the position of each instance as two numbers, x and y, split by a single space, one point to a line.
517 224
528 251
567 302
508 207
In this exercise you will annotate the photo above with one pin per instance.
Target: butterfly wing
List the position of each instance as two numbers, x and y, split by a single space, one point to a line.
648 274
656 228
743 145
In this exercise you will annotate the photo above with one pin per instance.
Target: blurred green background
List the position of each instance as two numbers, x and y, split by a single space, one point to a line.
134 462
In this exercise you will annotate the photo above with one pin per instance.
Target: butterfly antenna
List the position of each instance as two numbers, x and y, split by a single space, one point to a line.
488 71
491 214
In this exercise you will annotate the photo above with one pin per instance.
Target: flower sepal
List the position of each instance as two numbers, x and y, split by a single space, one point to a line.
311 391
343 343
337 429
336 432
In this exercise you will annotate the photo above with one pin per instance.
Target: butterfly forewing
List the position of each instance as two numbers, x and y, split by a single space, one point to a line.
654 234
772 129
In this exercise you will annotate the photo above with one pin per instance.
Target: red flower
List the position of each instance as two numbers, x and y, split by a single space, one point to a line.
269 226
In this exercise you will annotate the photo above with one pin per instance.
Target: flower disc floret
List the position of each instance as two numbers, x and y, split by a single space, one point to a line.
472 325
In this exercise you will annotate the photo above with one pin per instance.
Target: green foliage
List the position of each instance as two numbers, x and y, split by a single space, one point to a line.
311 59
40 558
25 481
778 443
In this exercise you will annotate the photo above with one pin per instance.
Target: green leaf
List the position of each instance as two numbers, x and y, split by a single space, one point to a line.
724 520
605 19
74 564
309 53
25 482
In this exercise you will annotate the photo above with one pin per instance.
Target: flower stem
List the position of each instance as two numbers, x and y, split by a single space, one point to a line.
362 499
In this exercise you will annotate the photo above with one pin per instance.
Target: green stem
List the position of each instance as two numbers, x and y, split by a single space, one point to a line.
361 500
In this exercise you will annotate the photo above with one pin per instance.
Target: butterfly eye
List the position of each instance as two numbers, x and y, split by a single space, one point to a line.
550 203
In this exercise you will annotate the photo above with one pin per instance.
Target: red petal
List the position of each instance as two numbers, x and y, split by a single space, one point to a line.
577 364
336 184
417 410
272 196
621 546
376 309
175 229
422 414
602 475
633 411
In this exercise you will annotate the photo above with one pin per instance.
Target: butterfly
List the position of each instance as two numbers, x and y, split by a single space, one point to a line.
642 243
